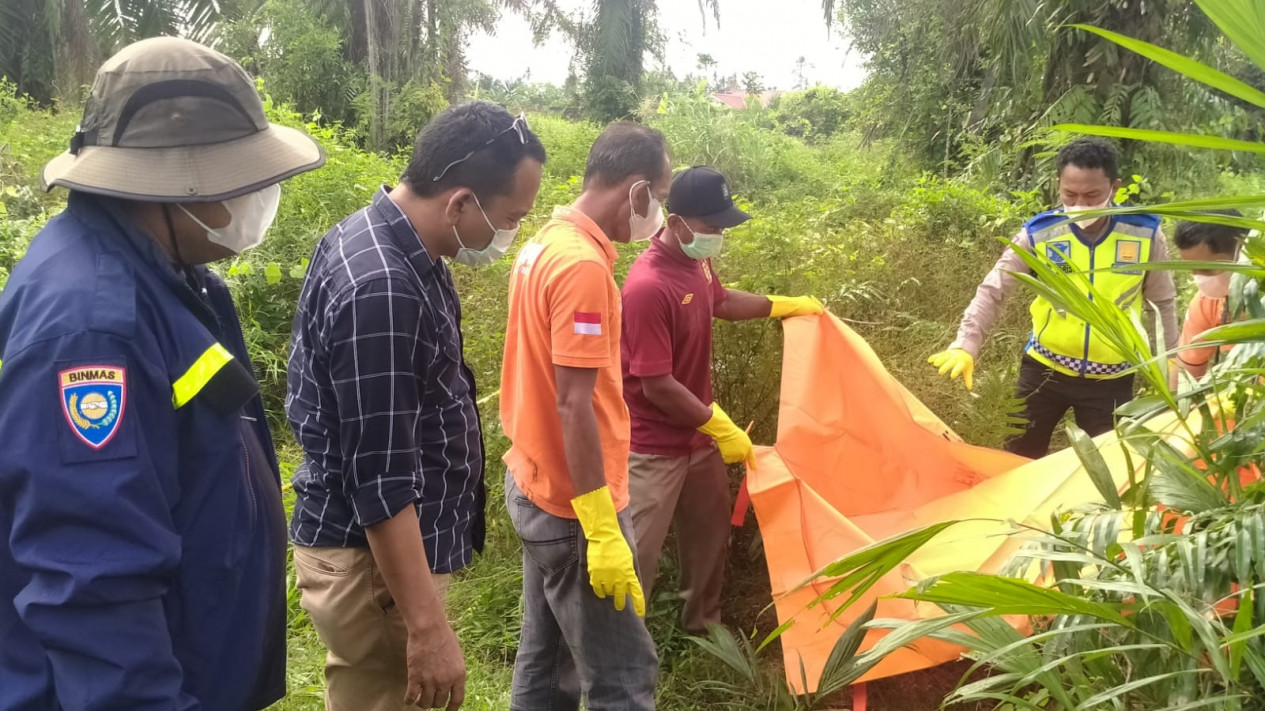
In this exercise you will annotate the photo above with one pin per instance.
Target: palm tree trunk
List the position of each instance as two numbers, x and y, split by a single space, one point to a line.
981 104
357 50
431 61
454 59
78 52
377 83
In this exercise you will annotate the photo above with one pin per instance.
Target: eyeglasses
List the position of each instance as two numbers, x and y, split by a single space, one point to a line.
519 126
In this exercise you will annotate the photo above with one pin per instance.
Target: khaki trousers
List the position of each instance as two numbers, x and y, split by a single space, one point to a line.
690 494
343 591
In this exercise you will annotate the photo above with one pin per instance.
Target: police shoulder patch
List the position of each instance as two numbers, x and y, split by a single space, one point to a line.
93 398
1058 251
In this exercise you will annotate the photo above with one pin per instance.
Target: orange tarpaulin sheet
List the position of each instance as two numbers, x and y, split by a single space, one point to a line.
859 459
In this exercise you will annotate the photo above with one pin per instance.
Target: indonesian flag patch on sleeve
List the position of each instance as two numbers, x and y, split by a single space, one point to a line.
588 324
93 398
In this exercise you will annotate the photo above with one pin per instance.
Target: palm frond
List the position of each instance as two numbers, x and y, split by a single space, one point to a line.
1179 139
1242 21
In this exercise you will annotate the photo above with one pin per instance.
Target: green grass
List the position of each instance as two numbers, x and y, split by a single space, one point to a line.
484 609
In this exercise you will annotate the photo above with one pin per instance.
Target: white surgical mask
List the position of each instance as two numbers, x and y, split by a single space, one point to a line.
644 227
1216 286
500 244
249 217
1086 222
704 246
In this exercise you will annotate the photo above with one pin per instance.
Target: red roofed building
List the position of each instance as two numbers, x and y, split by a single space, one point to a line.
738 99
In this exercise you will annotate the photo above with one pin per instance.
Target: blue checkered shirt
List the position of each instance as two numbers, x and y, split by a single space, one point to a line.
379 395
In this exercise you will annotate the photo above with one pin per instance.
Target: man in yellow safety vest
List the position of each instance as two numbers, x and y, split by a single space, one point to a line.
1065 363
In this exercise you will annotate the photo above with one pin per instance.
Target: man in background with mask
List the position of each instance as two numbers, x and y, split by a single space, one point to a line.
1204 242
1065 363
390 496
562 407
142 536
681 438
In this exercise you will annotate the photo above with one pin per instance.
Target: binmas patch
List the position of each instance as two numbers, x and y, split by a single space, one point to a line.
93 398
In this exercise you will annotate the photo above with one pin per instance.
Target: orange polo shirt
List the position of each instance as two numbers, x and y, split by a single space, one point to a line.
1202 314
563 310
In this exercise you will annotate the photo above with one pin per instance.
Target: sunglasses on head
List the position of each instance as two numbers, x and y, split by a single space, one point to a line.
519 126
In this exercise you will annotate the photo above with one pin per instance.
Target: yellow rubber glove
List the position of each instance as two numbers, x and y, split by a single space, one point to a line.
1224 404
955 362
784 306
734 444
611 570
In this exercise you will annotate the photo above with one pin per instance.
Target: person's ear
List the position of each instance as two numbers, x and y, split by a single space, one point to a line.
459 201
1115 188
640 190
680 230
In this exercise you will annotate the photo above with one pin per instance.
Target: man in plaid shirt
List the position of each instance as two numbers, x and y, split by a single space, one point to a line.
383 404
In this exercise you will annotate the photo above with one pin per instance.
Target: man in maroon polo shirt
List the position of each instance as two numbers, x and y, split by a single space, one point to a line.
681 438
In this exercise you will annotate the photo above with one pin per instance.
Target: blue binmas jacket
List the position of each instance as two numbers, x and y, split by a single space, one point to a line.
142 537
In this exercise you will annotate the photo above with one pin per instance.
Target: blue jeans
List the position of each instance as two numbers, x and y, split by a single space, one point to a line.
572 641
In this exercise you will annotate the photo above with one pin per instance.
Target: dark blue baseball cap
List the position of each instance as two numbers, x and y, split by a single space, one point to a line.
703 193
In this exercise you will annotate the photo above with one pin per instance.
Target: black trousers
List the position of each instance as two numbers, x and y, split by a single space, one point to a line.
1047 394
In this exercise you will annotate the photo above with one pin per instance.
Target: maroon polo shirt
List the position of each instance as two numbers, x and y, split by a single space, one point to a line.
668 303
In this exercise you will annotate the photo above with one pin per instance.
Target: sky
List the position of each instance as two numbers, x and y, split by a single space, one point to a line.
754 35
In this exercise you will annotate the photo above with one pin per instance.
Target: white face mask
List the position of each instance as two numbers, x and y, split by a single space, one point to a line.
1216 286
1086 222
249 217
643 228
500 244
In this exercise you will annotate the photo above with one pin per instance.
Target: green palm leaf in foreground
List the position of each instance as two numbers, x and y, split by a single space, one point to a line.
1009 596
1179 139
1243 22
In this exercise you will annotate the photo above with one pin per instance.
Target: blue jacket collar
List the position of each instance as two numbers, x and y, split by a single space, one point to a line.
113 222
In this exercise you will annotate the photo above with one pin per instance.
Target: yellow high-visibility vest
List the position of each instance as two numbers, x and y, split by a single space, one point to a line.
1063 341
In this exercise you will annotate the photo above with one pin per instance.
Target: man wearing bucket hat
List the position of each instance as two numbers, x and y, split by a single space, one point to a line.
390 496
143 555
681 438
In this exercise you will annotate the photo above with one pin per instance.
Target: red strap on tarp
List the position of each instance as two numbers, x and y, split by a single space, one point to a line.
741 504
858 697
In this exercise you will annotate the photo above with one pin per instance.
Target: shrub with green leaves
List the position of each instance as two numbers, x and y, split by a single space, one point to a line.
303 58
813 115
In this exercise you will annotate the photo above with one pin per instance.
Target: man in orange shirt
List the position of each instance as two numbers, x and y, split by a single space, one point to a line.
1203 242
562 407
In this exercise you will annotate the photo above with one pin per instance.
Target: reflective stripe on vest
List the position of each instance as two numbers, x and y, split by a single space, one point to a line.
1065 342
199 374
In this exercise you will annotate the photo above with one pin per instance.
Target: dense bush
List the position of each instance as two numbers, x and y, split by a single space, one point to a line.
303 58
813 115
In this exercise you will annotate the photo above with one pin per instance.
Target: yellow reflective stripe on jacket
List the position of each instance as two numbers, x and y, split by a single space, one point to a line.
199 374
1062 340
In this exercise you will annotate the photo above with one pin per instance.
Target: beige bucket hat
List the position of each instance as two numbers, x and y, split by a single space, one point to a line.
169 120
